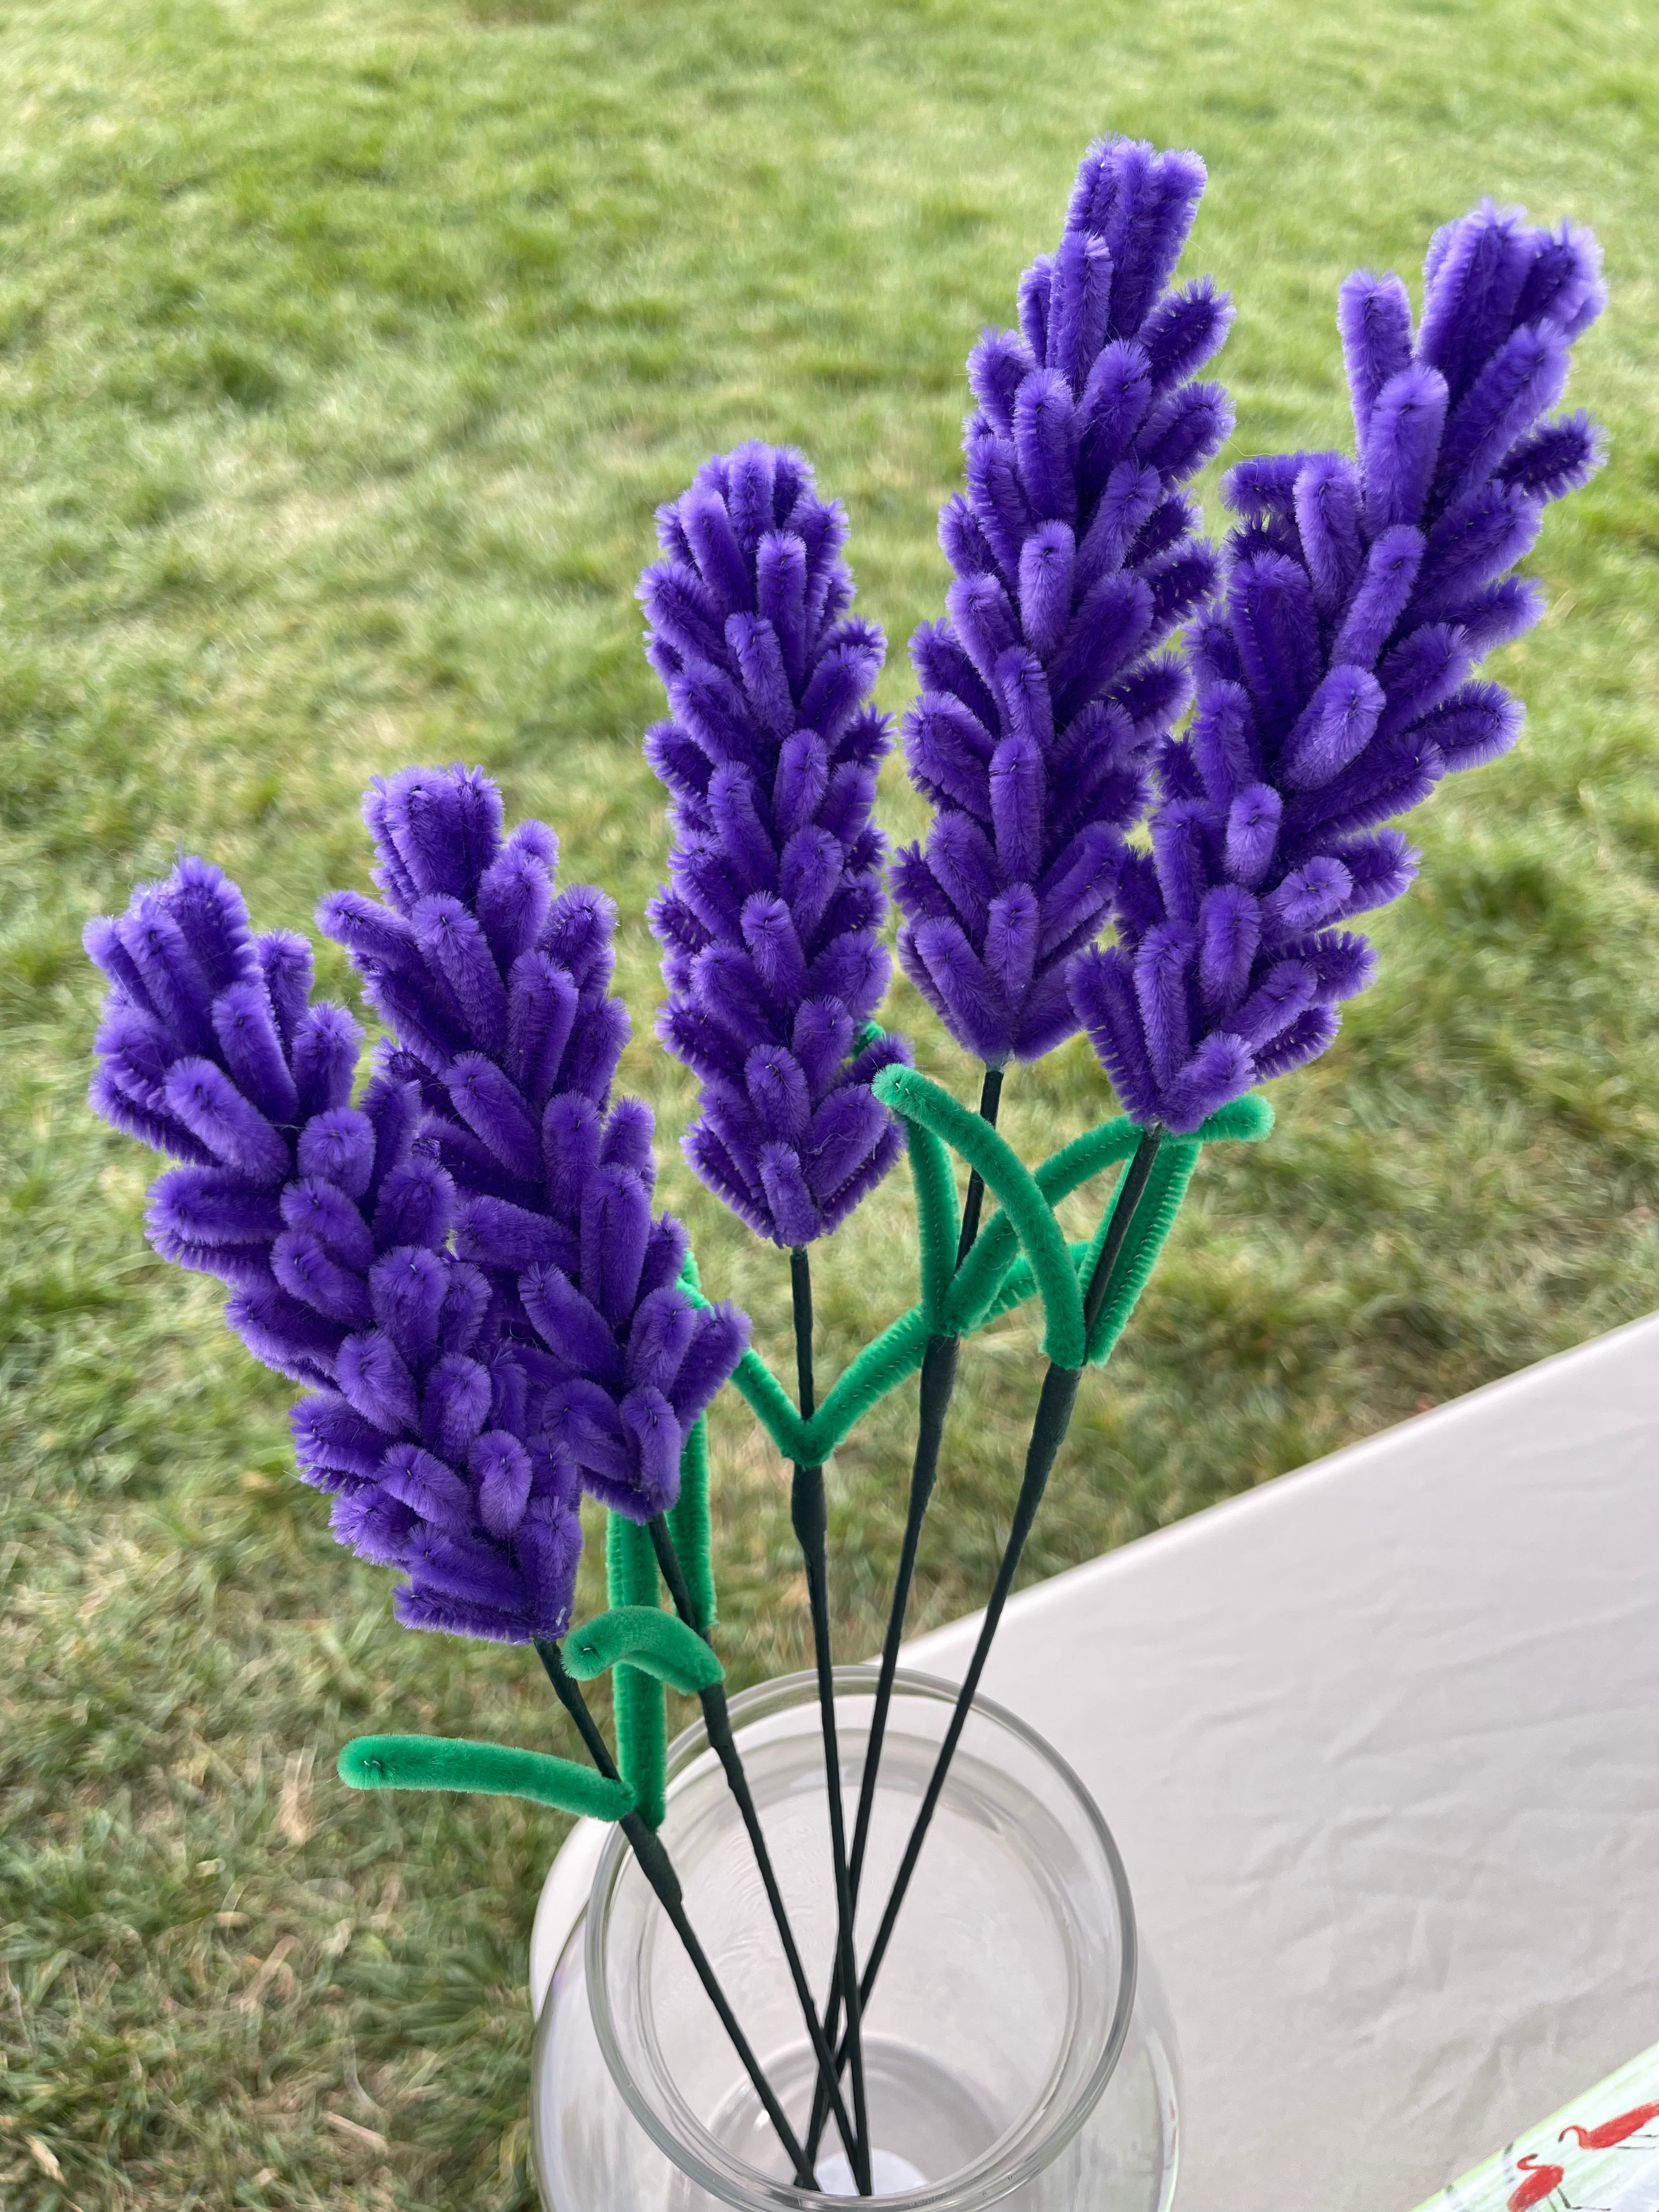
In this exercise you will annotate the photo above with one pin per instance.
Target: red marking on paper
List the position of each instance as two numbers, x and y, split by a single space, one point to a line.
1541 2181
1610 2131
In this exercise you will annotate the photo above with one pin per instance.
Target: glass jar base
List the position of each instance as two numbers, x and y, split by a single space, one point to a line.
890 2175
1019 2054
928 2121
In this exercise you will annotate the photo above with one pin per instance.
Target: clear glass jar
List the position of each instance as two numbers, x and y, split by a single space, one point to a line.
1018 2050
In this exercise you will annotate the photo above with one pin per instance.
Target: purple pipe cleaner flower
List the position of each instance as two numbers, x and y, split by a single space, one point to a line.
770 926
331 1229
1075 555
1334 687
497 989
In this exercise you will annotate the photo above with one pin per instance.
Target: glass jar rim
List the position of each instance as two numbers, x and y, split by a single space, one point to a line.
991 2178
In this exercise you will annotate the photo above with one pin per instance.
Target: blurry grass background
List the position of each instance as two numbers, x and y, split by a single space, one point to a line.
344 353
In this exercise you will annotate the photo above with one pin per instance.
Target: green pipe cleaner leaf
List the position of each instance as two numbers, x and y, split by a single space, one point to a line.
1166 1187
761 1392
882 1365
449 1762
979 1294
938 1220
773 1408
1244 1120
914 1097
1019 1284
991 1282
689 1524
1064 1171
648 1638
975 1292
637 1700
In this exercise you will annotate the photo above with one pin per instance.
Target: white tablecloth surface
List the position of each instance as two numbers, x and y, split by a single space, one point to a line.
1380 1742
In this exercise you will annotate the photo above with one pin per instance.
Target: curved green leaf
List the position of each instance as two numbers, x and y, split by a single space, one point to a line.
882 1365
1166 1187
448 1762
1246 1121
975 1296
639 1708
645 1637
980 1293
773 1408
911 1095
688 1523
993 1279
938 1218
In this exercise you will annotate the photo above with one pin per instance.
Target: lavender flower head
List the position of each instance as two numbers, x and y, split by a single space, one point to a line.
497 987
770 923
1075 555
1334 684
465 1263
332 1230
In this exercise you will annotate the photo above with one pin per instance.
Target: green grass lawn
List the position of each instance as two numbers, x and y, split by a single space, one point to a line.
344 356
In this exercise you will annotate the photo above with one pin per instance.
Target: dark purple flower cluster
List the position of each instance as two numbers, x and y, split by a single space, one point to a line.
497 987
771 925
1334 684
332 1230
464 1263
1076 555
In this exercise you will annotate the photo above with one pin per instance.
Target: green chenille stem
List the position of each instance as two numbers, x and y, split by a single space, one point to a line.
645 1637
641 1710
717 1720
994 1258
809 1514
689 1522
938 1376
1049 1431
889 1359
980 1294
937 1225
1154 1217
441 1762
912 1096
689 1516
658 1869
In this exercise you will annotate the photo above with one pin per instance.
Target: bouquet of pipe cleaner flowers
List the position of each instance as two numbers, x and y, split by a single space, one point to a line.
1166 777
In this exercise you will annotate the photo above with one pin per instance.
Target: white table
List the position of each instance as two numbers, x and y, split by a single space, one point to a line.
1380 1742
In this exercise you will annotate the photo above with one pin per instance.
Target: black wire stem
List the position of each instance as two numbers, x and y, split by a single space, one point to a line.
717 1720
809 1518
658 1869
939 1382
1054 1419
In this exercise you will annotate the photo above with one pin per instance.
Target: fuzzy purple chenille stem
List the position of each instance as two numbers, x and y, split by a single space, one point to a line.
1076 555
770 922
332 1230
496 985
1335 683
